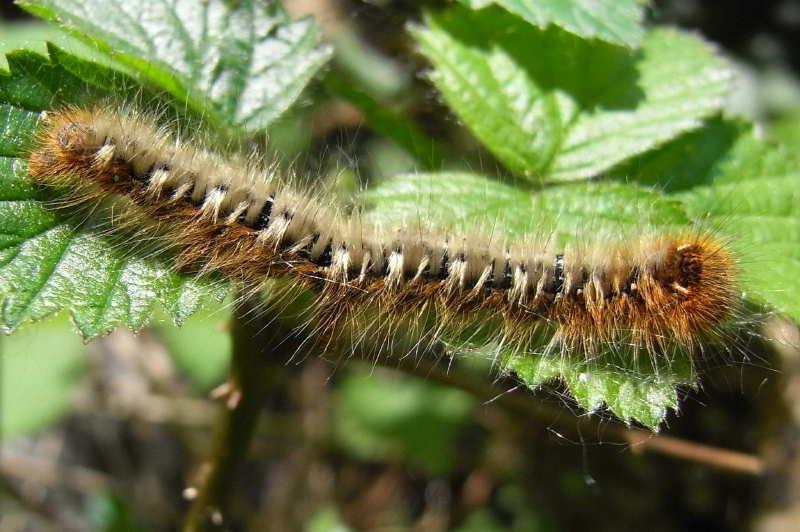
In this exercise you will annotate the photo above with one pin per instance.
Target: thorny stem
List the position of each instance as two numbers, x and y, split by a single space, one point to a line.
250 378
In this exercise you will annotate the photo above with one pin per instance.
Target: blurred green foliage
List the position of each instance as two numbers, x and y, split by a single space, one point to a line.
201 347
110 513
42 364
404 419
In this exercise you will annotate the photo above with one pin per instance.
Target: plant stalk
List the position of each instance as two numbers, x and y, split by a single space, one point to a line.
252 360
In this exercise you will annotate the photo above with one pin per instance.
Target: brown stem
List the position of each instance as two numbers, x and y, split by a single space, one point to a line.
695 452
254 358
516 402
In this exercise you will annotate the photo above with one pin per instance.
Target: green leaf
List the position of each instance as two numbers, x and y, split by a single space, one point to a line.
463 201
101 80
752 195
786 129
615 21
47 264
640 389
551 106
687 161
37 82
34 35
16 129
42 364
245 58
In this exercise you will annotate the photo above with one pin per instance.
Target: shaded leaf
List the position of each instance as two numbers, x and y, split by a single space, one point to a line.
39 82
616 21
743 187
687 161
551 106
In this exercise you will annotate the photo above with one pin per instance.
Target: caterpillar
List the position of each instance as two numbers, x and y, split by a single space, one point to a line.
653 292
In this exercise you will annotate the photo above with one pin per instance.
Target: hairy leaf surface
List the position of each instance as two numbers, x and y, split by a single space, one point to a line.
246 58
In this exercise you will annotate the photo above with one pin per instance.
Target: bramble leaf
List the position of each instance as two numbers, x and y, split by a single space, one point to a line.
241 63
615 21
553 107
687 161
47 262
640 389
37 82
462 200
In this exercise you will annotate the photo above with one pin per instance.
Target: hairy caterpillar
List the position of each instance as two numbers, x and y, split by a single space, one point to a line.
656 292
